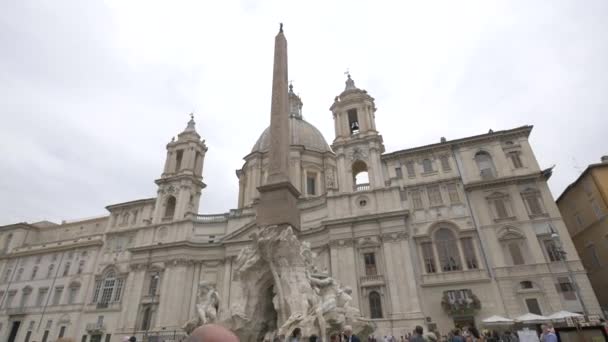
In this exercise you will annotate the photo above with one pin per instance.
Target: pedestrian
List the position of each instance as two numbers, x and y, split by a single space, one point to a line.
548 334
348 334
457 336
417 335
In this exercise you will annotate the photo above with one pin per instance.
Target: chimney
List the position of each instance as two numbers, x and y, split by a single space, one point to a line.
604 159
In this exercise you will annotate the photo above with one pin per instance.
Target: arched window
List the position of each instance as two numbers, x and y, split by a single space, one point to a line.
170 208
360 176
427 165
485 165
447 250
108 289
375 305
146 319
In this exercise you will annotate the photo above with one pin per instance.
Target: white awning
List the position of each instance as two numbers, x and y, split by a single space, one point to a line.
531 318
563 315
497 320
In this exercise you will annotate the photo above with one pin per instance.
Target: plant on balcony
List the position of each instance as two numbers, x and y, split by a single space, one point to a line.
464 304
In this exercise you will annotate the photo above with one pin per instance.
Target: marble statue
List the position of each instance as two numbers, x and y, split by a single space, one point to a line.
208 302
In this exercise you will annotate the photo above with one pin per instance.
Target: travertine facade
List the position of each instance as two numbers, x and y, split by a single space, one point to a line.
584 207
438 235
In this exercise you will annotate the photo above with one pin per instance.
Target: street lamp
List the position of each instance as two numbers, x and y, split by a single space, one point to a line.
558 248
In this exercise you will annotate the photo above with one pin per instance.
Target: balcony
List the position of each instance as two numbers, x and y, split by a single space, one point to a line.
16 311
372 280
98 327
362 187
487 174
213 218
455 277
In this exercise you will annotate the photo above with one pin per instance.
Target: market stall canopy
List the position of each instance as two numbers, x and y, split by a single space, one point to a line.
563 315
497 320
531 318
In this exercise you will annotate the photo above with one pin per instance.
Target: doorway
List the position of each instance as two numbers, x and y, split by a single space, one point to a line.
95 338
14 329
464 321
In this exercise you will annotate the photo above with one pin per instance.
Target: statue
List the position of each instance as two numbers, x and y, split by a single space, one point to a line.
207 305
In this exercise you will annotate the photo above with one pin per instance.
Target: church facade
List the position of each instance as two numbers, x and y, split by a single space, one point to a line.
439 235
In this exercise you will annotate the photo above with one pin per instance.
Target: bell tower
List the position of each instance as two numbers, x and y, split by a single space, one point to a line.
180 184
357 145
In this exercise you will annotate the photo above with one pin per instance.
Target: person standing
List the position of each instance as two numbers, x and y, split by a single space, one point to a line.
348 335
417 336
548 335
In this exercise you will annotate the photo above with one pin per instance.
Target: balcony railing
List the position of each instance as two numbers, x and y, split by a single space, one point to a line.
16 311
454 277
216 218
487 174
96 327
362 187
371 280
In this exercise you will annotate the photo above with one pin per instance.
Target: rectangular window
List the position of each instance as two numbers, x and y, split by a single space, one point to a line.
118 291
411 172
45 337
66 269
178 160
516 256
25 296
84 338
579 220
310 183
429 257
57 295
49 324
370 264
516 160
10 298
427 165
72 294
566 288
533 306
41 296
596 209
108 337
533 203
453 193
416 199
595 260
399 172
353 121
434 195
501 209
469 253
403 195
7 275
19 274
553 252
28 336
62 331
96 291
445 163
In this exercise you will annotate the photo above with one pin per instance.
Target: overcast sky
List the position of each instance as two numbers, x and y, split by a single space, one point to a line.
91 92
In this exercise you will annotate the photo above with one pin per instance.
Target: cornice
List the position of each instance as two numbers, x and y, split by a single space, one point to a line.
367 218
55 246
501 181
476 139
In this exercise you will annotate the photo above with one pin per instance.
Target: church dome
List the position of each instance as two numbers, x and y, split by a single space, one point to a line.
303 134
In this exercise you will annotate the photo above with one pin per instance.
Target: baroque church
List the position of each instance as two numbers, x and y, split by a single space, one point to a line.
440 235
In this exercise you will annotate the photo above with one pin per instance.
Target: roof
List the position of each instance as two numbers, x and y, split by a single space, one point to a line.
448 143
587 170
130 203
302 134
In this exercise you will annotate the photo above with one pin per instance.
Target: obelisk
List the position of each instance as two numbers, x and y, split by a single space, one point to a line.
278 197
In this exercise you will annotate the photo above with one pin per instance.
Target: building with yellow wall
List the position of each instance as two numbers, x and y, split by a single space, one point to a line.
584 208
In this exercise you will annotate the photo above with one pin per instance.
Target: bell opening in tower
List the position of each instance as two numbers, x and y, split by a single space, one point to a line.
353 121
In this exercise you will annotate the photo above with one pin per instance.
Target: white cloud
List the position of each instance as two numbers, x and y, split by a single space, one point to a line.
90 92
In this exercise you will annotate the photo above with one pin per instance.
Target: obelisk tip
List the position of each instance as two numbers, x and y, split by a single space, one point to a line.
280 27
